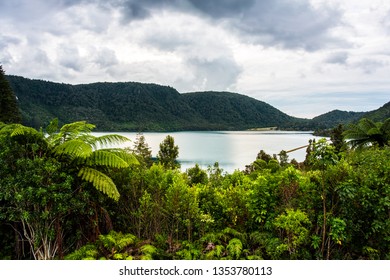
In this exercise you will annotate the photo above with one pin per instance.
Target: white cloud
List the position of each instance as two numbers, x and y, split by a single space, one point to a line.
305 57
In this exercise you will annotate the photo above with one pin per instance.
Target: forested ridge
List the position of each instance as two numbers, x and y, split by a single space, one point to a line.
132 106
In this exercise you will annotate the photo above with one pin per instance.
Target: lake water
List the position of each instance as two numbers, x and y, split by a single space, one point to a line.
231 149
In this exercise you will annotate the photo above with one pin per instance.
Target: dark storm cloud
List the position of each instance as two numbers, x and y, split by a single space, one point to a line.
289 24
223 8
286 23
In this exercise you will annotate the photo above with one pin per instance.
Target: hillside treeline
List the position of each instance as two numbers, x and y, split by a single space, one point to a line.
131 106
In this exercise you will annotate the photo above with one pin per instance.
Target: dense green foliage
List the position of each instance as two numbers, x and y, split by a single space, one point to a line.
45 179
333 118
235 111
366 132
335 205
132 106
380 114
9 111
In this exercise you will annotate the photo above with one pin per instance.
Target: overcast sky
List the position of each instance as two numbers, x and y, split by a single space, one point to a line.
304 57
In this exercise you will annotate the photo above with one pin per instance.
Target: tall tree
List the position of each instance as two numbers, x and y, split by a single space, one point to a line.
168 153
366 132
142 151
9 111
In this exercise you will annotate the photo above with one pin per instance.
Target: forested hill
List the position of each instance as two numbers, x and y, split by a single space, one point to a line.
132 106
380 114
135 106
235 110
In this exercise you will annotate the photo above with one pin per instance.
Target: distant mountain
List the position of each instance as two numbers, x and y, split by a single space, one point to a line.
132 106
135 106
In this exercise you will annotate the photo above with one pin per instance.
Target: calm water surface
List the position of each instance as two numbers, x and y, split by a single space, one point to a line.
231 149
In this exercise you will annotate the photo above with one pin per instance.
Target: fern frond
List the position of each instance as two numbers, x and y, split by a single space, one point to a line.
126 156
75 129
148 251
235 247
100 181
218 251
19 129
74 148
109 140
106 158
116 240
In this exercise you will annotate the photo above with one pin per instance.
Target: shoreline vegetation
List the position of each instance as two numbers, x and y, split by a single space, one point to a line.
62 198
263 128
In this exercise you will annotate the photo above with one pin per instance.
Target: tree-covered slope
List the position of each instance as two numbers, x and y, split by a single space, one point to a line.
138 106
111 106
335 117
380 114
132 106
235 110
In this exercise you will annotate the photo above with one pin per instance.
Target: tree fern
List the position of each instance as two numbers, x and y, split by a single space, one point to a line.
75 148
100 181
108 140
106 158
121 154
86 151
18 129
75 129
366 131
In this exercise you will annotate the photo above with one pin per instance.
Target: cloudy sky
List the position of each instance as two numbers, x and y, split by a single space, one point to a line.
304 57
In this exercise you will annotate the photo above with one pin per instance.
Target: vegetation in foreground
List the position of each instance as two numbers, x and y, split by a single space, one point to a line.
64 196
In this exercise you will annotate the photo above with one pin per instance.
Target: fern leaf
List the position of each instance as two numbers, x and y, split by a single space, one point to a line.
126 156
75 129
100 181
148 251
23 130
109 140
106 158
74 148
235 247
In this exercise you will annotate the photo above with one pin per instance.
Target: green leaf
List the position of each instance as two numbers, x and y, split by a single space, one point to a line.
52 127
74 148
110 139
106 158
100 181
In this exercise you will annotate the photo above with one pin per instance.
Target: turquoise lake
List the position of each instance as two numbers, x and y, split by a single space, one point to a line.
233 150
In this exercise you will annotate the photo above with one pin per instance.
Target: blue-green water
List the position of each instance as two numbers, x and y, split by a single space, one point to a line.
231 149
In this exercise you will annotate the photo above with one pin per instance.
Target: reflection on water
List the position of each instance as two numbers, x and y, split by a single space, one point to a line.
231 149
